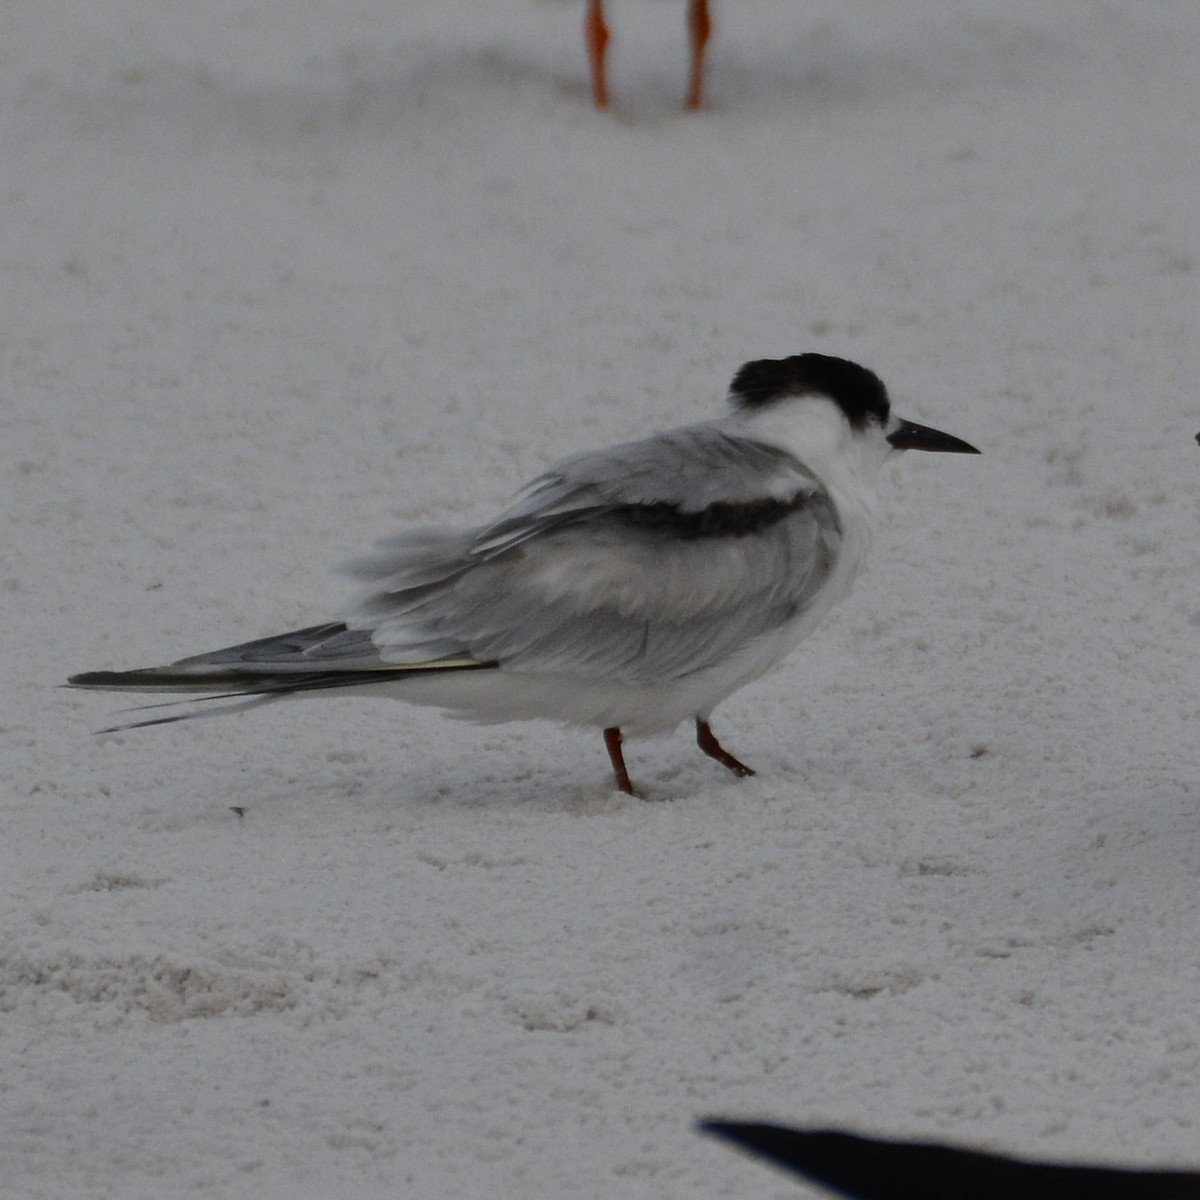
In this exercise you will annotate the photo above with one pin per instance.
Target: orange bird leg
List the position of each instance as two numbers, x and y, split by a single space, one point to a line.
597 37
612 743
699 22
707 741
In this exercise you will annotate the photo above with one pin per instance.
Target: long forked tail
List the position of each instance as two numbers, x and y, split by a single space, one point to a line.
308 660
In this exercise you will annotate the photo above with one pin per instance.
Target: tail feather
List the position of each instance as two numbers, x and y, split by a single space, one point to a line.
241 704
247 688
164 679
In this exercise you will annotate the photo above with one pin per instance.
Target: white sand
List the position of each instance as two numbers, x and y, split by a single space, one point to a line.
279 278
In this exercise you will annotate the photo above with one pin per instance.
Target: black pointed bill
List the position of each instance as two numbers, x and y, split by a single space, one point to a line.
872 1169
911 436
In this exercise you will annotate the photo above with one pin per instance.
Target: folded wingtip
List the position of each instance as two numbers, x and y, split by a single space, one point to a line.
96 679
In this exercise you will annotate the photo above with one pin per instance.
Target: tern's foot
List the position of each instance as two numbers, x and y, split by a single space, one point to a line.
707 741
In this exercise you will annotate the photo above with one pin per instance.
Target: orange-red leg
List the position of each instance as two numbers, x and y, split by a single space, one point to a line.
699 22
612 743
707 741
597 37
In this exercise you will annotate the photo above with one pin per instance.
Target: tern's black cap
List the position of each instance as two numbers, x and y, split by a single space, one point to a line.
858 392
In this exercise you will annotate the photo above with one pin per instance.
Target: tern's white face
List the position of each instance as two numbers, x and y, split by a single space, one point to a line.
894 423
814 429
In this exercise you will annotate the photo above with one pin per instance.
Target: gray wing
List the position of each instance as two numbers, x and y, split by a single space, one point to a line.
638 563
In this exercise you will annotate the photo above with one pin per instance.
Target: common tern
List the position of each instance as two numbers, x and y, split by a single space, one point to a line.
628 588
